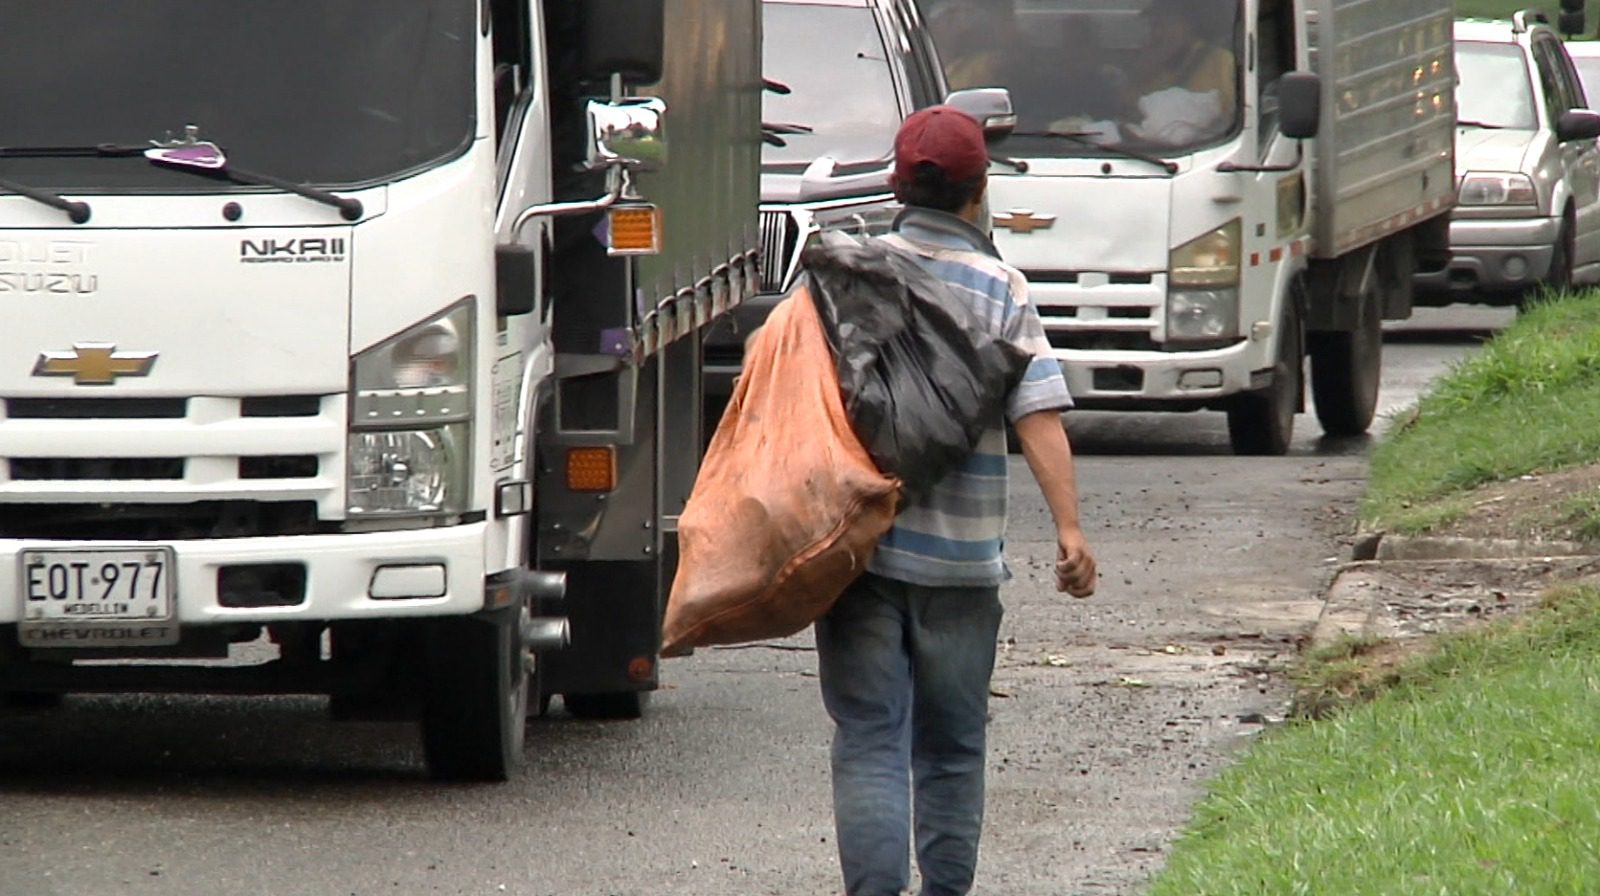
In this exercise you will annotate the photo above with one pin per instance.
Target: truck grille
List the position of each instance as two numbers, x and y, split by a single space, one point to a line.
163 522
779 233
200 464
96 408
113 469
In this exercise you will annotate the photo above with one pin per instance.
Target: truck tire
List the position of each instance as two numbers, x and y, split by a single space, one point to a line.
612 705
1345 371
1262 423
475 707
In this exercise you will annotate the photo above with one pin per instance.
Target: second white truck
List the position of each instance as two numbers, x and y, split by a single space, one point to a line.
1204 193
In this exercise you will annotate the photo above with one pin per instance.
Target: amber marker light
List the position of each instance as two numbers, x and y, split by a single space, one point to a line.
592 469
635 230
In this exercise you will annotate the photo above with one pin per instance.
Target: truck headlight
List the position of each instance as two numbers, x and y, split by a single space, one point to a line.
410 419
1497 188
1203 286
407 471
1202 314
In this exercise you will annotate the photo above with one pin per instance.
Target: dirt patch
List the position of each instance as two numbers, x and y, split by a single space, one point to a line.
1378 615
1349 673
1562 506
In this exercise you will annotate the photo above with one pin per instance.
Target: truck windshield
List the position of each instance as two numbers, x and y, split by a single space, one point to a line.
1493 90
1158 76
841 84
329 92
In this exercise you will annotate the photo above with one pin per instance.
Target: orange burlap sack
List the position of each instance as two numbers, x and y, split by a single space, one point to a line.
788 506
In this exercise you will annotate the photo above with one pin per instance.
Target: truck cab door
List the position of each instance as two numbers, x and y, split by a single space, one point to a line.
521 342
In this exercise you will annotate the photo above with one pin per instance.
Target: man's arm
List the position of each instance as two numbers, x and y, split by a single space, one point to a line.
1049 454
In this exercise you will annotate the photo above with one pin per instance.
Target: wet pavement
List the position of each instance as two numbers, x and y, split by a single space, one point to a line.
1109 715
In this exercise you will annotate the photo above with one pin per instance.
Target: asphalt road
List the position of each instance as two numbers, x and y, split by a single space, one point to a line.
1109 716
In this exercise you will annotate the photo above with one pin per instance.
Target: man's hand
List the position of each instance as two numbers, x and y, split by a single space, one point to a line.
1075 569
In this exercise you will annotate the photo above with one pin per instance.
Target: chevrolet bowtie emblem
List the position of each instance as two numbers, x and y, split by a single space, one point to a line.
1021 220
94 363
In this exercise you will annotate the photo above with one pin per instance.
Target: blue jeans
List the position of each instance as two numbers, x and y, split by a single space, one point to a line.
905 675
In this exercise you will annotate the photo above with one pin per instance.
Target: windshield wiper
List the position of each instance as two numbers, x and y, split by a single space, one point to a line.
1480 124
188 153
1082 137
205 158
77 211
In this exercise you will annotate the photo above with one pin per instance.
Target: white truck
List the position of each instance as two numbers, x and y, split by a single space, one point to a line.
362 339
1203 192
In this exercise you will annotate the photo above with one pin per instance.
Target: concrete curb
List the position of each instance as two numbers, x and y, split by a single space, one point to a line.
1385 547
1396 599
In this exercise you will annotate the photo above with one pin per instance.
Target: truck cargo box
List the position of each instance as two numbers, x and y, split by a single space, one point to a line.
1385 152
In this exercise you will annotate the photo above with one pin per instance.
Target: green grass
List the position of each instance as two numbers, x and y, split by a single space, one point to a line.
1529 401
1581 514
1475 773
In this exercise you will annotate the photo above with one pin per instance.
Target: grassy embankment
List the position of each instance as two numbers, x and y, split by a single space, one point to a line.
1472 774
1528 403
1469 767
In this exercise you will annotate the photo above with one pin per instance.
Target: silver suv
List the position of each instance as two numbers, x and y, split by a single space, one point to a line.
1527 168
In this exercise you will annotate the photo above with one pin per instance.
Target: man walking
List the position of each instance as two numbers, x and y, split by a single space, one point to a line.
907 652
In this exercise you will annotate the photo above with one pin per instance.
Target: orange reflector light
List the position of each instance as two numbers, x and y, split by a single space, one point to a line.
641 668
592 469
635 230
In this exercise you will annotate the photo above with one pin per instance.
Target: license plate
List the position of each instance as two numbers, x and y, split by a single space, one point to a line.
98 598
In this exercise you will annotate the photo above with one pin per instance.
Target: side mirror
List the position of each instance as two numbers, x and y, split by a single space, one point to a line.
516 274
1299 105
628 133
1578 124
990 107
622 37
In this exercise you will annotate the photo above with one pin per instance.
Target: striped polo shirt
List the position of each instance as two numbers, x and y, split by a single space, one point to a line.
953 536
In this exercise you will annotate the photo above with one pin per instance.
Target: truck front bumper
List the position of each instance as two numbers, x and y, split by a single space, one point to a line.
419 572
1494 255
1132 380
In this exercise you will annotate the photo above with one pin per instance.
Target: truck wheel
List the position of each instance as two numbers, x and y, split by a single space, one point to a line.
475 707
1345 370
1262 423
613 705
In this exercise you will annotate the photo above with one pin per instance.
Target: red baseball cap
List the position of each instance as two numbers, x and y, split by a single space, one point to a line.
943 136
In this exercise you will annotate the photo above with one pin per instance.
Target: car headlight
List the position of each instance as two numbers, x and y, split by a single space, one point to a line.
1203 286
1497 188
410 414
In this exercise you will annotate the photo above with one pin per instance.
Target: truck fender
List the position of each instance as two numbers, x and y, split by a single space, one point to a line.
1335 288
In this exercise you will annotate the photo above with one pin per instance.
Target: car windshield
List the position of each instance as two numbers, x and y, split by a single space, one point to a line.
833 61
1493 90
328 92
1589 73
1157 76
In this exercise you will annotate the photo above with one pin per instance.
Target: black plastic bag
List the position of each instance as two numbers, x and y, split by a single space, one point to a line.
922 376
